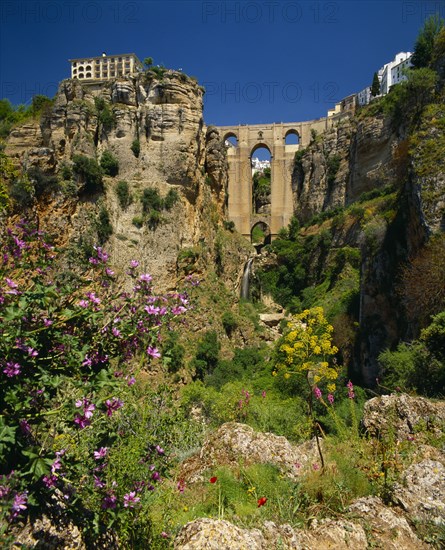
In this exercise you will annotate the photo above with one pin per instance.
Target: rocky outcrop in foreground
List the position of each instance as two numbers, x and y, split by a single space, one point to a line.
417 498
233 442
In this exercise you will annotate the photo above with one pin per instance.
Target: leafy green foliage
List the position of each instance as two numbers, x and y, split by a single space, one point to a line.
109 163
104 228
151 200
22 192
153 204
43 183
171 198
207 355
229 322
419 366
332 166
261 188
173 352
136 147
123 193
10 116
375 86
104 113
425 42
88 172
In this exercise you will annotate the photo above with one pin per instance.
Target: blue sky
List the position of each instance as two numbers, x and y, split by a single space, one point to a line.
260 61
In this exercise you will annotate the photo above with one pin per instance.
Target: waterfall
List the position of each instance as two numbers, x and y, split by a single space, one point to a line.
245 280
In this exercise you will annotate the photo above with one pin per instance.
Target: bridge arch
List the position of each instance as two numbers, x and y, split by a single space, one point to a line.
262 145
261 179
260 233
231 138
292 137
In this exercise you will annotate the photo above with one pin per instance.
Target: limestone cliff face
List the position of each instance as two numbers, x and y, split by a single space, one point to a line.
363 154
164 116
348 160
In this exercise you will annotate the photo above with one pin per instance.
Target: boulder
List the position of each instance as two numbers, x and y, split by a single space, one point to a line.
233 442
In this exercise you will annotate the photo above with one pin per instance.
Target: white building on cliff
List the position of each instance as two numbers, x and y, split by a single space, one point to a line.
390 74
105 67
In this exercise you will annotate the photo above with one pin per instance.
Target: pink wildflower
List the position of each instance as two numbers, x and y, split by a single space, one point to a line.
153 352
130 499
350 387
101 453
11 369
317 392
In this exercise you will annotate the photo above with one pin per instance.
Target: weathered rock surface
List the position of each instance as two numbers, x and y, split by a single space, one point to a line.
422 492
271 319
402 415
233 442
203 534
45 532
387 527
374 525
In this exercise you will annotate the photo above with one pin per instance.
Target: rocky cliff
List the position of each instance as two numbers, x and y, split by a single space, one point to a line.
153 126
365 154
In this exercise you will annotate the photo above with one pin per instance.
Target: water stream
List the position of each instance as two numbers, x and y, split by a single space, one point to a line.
245 280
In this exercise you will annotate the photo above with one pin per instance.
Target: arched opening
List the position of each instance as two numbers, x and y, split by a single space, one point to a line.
260 235
230 141
88 75
260 159
292 137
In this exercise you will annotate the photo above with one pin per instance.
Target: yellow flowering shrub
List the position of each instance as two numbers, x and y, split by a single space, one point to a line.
306 347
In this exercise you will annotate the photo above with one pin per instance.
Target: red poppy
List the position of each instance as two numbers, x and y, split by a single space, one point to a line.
213 479
262 501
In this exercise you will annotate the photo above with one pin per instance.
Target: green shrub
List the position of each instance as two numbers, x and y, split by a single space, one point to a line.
22 192
332 166
88 173
104 113
123 193
229 225
103 225
109 163
171 199
229 322
136 147
151 200
153 219
66 172
43 183
207 355
173 352
138 221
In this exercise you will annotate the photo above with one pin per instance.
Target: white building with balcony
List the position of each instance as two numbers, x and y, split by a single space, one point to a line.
105 67
390 74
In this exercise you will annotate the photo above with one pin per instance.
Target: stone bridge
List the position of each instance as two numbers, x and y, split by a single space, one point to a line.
273 137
